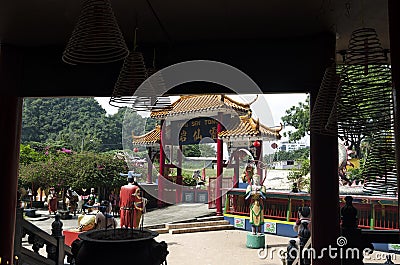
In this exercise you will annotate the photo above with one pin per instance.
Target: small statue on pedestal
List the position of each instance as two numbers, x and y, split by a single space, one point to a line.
257 192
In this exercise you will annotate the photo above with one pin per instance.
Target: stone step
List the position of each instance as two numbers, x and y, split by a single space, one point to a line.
210 218
196 224
160 230
201 229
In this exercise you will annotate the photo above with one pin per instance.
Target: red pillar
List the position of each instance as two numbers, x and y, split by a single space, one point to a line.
149 178
160 203
236 170
259 157
10 122
178 195
394 28
220 158
324 183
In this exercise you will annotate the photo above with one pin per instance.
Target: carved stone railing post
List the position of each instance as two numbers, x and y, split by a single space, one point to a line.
57 252
18 232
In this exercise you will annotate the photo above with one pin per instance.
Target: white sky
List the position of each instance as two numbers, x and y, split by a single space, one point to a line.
277 103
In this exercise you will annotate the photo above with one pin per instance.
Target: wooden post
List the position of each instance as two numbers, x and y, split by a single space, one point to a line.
10 122
218 194
160 202
324 181
394 35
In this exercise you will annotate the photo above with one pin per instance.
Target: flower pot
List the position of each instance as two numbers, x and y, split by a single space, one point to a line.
114 245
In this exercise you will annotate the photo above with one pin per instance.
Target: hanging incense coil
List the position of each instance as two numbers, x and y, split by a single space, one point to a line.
324 102
133 73
363 109
150 96
364 102
96 37
380 172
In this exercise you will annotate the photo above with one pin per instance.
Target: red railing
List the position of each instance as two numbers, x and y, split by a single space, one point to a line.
373 212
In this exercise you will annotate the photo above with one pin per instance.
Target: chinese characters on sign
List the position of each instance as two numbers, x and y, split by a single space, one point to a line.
193 131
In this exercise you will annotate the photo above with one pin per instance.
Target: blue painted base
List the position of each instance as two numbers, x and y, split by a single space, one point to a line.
286 229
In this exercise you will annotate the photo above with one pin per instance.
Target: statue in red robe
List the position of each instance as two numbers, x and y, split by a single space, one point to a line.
131 204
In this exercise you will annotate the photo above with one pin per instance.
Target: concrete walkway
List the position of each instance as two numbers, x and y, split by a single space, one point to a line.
202 248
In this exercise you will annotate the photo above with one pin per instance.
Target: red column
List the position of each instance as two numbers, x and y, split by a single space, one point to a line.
236 170
259 157
219 169
394 21
178 195
160 203
10 122
149 166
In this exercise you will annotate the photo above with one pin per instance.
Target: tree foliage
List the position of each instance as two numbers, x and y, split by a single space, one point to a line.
299 154
80 124
79 170
298 117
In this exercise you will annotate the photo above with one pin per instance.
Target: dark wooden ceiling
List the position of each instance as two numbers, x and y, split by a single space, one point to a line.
284 38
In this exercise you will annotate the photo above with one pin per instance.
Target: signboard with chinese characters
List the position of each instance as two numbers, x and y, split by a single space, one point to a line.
195 130
239 223
270 227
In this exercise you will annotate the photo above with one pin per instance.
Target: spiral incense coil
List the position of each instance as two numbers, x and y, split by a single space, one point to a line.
151 103
364 107
364 102
133 73
150 96
324 102
380 172
96 37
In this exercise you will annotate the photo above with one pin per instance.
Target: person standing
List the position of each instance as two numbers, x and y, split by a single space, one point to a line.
114 200
103 219
131 204
52 201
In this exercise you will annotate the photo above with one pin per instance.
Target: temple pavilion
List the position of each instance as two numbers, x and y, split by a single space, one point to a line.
199 119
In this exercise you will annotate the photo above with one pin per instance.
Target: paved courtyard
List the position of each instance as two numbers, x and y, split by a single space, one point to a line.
202 248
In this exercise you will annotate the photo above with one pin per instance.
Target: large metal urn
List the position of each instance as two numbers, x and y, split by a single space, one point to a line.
132 246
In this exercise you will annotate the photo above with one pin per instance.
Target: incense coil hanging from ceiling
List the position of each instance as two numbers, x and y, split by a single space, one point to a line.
364 103
379 171
96 37
363 109
133 73
324 103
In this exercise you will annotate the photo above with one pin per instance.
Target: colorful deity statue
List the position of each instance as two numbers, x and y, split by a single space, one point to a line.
257 193
132 204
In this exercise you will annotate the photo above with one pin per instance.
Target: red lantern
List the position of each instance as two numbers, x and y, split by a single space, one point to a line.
135 149
256 144
274 145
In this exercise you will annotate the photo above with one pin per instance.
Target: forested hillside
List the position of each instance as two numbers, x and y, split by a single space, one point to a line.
79 124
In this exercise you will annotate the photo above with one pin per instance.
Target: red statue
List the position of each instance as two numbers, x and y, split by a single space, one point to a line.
131 204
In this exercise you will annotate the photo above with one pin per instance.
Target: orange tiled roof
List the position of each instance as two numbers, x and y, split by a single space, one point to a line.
150 138
249 127
199 103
